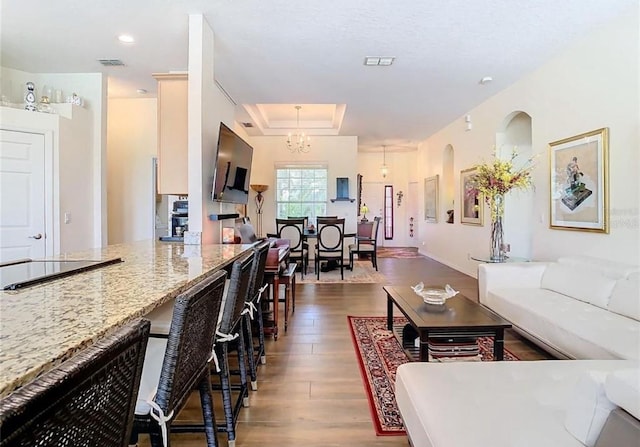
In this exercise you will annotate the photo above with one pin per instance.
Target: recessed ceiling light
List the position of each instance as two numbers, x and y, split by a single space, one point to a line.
486 80
142 91
126 38
379 61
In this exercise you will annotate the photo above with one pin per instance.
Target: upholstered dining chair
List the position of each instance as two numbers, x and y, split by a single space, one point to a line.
305 243
178 362
330 243
88 400
293 230
366 244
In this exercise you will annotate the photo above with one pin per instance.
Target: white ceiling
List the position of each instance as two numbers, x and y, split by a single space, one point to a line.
271 55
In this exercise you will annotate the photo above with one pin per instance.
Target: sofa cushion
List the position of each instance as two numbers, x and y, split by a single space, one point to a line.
588 408
573 281
610 269
492 404
567 325
623 389
625 298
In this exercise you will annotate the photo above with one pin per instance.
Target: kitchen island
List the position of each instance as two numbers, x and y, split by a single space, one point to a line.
45 324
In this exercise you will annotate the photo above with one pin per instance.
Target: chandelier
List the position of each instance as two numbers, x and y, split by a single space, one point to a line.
298 142
384 170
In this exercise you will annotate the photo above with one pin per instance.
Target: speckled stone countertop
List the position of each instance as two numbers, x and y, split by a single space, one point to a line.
45 324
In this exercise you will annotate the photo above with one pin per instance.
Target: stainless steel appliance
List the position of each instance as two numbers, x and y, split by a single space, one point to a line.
179 218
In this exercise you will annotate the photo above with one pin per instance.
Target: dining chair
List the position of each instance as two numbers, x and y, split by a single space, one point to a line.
305 218
330 243
366 243
178 362
305 243
230 337
293 230
88 400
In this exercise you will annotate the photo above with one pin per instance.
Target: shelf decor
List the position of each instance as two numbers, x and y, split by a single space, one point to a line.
493 180
579 182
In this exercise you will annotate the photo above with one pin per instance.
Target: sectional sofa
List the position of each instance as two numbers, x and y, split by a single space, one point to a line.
576 308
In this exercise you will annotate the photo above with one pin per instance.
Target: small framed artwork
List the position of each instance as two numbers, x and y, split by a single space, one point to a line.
578 178
471 199
431 199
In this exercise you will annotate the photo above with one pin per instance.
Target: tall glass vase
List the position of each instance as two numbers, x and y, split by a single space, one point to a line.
496 251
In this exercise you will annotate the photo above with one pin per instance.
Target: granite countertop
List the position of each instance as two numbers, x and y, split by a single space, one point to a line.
45 324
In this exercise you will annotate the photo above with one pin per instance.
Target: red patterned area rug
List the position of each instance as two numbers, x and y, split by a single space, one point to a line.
379 355
398 252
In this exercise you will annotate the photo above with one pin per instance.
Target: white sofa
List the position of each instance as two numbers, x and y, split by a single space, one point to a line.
577 307
552 403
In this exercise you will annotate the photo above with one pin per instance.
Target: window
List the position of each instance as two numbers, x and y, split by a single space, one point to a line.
388 212
301 191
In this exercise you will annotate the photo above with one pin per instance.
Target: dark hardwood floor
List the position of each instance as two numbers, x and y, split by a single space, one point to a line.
310 392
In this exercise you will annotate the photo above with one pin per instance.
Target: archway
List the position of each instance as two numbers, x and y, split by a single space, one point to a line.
515 134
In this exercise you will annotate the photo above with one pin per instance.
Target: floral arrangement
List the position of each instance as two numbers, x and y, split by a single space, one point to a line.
499 177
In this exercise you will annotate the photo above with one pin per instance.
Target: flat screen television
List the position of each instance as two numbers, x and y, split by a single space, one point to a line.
232 168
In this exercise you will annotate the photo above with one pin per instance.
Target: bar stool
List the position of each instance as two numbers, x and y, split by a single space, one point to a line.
177 363
288 279
87 400
230 336
253 305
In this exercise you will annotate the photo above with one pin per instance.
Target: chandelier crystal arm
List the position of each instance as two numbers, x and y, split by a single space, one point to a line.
300 142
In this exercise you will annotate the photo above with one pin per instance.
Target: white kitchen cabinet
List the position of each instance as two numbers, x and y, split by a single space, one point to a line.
172 133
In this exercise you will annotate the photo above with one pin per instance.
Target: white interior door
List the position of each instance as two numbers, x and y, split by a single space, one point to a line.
373 196
22 196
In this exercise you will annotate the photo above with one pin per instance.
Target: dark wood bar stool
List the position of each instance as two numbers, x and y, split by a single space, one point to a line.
288 279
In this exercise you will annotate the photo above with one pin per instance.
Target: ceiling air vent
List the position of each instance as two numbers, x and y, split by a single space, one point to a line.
111 62
247 124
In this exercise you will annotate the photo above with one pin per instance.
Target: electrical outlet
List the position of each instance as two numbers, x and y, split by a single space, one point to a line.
67 218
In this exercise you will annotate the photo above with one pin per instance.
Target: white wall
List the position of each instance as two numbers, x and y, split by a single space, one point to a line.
592 84
402 169
92 87
338 153
132 142
207 108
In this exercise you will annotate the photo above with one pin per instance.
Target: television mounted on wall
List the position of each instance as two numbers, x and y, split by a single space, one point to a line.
232 168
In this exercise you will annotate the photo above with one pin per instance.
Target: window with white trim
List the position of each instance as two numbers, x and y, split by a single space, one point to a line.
301 191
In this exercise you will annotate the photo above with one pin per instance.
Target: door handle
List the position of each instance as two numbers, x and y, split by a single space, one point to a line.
37 236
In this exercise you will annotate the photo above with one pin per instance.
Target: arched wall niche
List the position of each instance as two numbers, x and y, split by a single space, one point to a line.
515 134
448 183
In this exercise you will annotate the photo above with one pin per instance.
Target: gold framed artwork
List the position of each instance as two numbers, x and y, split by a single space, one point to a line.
471 199
579 190
431 199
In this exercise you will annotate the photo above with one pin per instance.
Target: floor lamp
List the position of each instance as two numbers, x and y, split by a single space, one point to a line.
259 189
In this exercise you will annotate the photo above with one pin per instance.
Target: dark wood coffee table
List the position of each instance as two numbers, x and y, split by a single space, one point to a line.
458 317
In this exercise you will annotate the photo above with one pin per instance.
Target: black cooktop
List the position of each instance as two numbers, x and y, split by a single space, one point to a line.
27 272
